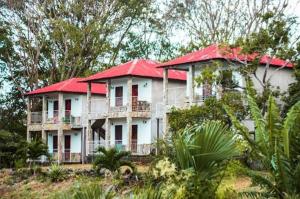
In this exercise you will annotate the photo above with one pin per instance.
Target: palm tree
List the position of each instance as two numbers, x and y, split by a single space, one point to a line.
111 159
276 146
34 150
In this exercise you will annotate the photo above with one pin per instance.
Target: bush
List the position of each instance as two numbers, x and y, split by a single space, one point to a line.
87 191
57 173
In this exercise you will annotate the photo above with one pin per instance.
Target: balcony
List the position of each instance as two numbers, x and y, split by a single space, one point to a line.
136 149
52 117
140 106
67 156
36 118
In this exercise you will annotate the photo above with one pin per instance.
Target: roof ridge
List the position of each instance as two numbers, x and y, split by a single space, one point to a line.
67 82
133 65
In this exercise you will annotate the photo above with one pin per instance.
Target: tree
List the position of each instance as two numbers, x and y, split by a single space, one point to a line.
10 155
58 40
36 149
273 40
221 21
276 146
293 94
111 159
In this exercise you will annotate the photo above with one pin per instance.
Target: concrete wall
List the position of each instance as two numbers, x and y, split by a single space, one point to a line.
144 130
144 89
76 104
281 78
75 141
157 101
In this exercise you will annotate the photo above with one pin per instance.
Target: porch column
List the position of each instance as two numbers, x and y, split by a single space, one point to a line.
44 109
89 125
28 118
107 133
165 101
129 111
191 78
60 128
108 95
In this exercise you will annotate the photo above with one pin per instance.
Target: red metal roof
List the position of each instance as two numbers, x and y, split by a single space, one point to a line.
217 52
137 67
70 86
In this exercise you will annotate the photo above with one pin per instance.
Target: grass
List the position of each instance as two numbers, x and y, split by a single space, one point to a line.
35 188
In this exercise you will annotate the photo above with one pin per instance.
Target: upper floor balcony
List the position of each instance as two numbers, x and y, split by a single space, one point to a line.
117 108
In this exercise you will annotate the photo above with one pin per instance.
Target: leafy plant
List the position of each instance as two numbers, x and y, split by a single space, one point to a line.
111 159
273 147
56 173
199 160
87 191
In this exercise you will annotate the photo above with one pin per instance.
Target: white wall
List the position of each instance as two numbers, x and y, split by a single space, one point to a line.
76 104
75 141
144 89
144 130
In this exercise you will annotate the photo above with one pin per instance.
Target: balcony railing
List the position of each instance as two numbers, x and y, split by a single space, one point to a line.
67 156
52 117
36 118
136 149
139 105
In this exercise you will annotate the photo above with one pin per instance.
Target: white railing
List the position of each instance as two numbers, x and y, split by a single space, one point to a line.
36 117
136 149
52 117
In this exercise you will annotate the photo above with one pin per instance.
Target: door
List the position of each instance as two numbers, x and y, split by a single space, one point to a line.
54 143
135 93
134 138
68 110
118 136
55 110
67 148
119 96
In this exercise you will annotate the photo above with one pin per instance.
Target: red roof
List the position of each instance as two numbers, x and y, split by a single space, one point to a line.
217 52
70 86
139 68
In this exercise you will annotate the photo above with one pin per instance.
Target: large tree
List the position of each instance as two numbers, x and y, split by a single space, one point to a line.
220 21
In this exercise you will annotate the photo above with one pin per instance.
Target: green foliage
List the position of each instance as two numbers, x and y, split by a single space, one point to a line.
56 173
111 159
10 153
272 147
198 162
212 109
90 190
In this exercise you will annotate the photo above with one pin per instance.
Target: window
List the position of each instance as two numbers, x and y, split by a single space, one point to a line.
119 96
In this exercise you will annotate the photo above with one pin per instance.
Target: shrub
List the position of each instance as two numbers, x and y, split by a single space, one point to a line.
57 173
111 159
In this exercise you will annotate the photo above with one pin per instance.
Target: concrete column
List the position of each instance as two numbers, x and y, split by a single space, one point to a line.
108 95
60 128
107 133
129 111
191 77
89 108
44 109
28 118
165 101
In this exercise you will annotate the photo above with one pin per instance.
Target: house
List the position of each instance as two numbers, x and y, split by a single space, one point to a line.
128 118
280 72
57 114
